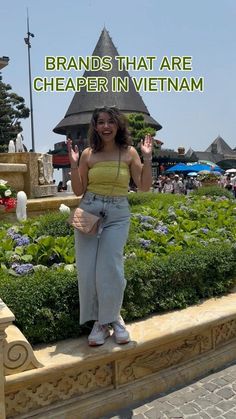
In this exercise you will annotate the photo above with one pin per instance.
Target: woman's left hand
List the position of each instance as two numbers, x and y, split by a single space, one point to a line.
147 146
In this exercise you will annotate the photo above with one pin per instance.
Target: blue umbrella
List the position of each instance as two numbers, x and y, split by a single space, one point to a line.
217 169
199 167
213 166
180 167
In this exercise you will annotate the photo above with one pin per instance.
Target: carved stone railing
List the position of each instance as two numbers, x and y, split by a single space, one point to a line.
76 381
6 318
16 354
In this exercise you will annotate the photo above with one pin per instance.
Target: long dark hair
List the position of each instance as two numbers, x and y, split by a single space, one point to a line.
122 137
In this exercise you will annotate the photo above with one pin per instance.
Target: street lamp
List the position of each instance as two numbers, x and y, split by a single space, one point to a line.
27 41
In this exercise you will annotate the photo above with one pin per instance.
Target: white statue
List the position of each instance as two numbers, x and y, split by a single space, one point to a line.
21 203
11 147
69 187
19 143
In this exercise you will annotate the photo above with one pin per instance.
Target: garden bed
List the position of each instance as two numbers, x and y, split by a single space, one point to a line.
180 250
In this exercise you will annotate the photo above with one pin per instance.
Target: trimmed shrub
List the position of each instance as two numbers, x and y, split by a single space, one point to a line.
149 199
178 280
213 190
45 304
52 224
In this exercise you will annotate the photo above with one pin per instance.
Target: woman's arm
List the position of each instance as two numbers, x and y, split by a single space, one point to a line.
79 174
142 173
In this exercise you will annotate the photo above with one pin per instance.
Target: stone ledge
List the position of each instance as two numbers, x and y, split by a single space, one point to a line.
38 206
166 350
52 203
41 191
6 316
13 167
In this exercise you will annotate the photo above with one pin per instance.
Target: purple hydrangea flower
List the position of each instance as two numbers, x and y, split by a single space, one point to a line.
18 238
11 233
23 269
161 229
144 243
204 230
22 241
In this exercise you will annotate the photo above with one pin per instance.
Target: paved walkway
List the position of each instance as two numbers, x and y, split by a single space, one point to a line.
213 396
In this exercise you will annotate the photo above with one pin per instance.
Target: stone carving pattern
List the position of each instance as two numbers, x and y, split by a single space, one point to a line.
156 360
225 332
45 168
63 388
18 356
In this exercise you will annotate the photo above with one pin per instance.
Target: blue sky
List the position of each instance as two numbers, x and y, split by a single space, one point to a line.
203 29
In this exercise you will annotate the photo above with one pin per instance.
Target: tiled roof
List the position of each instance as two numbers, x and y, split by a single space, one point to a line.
221 146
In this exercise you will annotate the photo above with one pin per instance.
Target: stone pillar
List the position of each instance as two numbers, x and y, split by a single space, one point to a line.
6 318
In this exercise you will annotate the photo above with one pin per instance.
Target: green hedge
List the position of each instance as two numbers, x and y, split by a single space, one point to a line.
46 303
213 190
179 280
52 224
149 199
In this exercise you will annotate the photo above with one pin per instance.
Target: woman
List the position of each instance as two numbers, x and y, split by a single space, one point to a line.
103 178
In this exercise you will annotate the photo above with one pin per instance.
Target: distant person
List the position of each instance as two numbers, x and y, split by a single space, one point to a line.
189 185
233 181
228 183
60 186
168 186
178 186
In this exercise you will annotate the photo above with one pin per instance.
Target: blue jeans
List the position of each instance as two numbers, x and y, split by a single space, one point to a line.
99 259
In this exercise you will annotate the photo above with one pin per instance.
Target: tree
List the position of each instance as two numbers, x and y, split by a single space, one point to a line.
138 129
12 109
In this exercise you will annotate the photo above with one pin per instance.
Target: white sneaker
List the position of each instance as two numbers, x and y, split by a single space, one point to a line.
120 332
98 334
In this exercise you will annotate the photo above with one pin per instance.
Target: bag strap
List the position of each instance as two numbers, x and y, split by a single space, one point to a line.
118 172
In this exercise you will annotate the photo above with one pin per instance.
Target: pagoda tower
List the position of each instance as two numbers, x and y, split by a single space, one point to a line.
78 116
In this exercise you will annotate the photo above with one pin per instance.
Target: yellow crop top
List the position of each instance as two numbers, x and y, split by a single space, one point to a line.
103 179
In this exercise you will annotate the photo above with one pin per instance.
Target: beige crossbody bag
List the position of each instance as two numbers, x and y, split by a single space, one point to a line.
86 222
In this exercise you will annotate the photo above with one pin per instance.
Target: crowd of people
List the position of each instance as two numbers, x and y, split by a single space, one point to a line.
180 184
229 182
175 184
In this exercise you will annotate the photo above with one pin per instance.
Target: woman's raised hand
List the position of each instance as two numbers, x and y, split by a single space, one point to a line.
147 146
73 154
